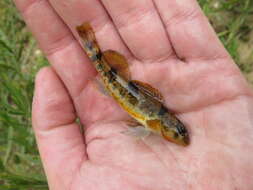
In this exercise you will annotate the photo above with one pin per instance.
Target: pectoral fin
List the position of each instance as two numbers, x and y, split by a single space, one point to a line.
137 132
118 62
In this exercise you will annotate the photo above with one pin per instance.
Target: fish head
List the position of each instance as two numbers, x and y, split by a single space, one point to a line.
175 132
171 129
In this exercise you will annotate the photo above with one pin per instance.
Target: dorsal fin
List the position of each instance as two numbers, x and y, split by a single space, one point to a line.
118 62
149 90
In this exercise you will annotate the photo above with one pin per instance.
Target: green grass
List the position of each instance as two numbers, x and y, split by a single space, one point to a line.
20 166
20 59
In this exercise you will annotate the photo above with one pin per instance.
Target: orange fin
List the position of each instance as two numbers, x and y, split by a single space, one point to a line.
88 40
154 125
148 89
118 62
86 32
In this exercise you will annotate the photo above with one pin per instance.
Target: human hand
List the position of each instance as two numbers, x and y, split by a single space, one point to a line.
170 45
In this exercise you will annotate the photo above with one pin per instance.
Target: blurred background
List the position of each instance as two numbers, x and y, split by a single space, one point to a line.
20 59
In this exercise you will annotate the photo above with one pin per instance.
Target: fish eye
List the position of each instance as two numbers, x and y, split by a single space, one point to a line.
181 129
175 135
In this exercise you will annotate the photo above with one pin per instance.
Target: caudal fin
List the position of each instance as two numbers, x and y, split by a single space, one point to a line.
89 42
86 32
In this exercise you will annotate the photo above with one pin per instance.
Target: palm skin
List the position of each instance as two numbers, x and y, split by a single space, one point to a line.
197 78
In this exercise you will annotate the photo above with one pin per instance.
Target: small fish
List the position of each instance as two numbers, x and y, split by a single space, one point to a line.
139 99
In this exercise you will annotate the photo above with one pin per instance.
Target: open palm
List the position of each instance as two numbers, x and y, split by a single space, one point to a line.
168 44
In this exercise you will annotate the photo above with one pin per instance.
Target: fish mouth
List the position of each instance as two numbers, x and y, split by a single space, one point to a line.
186 140
182 140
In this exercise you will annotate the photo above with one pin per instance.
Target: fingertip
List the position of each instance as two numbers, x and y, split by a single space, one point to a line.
43 71
39 79
43 75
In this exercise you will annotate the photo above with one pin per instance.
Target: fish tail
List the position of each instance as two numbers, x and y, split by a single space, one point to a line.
86 32
92 48
88 38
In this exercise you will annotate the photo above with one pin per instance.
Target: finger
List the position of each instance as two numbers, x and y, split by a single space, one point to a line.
59 140
66 56
76 12
106 34
141 28
189 31
58 43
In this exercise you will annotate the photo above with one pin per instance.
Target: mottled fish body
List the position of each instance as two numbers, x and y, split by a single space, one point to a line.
139 99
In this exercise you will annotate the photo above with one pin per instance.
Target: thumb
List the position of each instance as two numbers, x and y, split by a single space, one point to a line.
60 142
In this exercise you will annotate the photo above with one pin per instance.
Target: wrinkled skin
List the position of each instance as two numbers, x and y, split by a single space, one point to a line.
170 45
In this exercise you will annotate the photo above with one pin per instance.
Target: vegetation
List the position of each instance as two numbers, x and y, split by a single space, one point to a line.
20 59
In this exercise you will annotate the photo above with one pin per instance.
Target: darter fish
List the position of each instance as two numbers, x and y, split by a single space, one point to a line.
139 99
